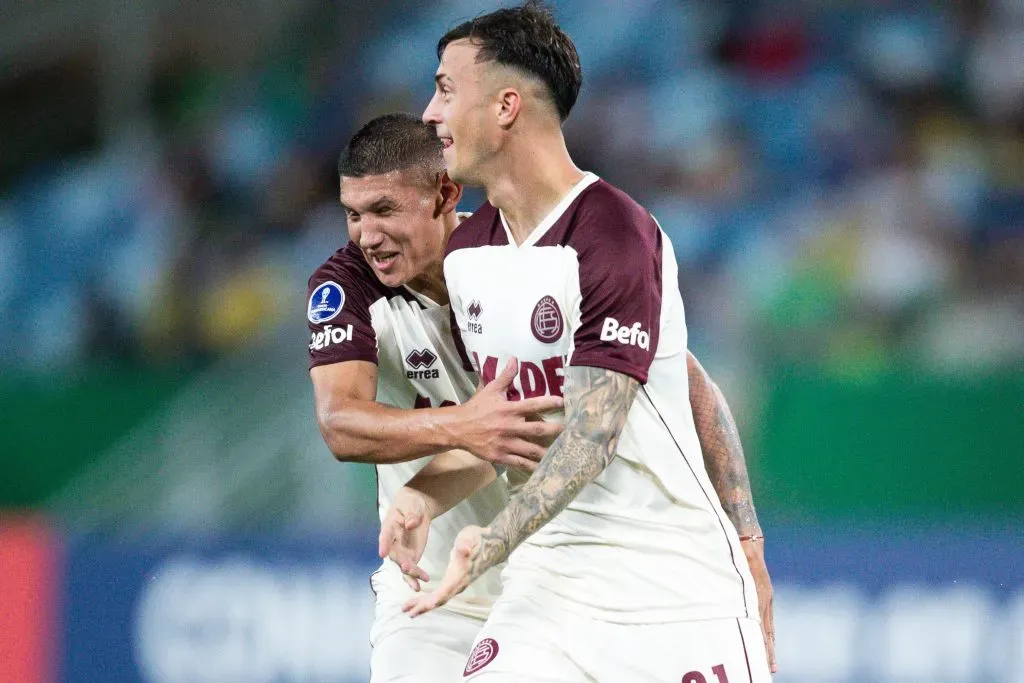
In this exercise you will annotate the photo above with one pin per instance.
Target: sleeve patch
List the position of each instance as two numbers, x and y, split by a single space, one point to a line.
325 303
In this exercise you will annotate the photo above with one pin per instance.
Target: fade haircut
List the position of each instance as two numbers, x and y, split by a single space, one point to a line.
528 39
393 142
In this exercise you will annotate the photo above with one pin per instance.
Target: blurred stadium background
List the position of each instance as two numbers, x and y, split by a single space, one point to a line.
844 185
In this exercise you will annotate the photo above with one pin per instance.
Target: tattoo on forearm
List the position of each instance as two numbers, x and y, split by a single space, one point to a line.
723 451
597 403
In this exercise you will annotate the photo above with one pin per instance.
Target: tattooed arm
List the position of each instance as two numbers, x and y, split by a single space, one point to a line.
723 452
597 402
727 469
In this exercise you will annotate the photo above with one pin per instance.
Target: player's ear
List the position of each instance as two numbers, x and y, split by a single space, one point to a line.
449 194
510 103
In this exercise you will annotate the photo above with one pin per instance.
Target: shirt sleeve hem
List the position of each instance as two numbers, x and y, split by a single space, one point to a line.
598 360
366 356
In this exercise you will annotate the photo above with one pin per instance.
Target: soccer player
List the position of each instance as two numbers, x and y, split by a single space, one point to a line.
380 347
625 565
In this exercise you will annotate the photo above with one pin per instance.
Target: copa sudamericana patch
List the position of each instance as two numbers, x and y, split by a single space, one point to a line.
325 303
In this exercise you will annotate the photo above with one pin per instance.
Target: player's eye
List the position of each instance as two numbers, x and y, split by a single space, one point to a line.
352 215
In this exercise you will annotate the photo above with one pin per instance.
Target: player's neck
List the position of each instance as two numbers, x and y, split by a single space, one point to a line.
430 283
534 177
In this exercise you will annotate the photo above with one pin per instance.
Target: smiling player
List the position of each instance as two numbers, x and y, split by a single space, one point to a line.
390 389
622 564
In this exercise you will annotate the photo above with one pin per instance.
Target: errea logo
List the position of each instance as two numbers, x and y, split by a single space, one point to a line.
631 336
475 310
422 360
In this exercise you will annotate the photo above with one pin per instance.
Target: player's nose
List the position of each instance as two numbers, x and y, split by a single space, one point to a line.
370 237
431 115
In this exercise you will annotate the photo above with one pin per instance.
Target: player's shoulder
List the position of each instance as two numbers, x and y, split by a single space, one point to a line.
605 218
344 277
480 229
607 207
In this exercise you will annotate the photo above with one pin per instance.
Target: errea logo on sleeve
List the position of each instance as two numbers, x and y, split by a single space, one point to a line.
630 336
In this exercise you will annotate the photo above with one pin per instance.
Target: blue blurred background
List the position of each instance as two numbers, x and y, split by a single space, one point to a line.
843 182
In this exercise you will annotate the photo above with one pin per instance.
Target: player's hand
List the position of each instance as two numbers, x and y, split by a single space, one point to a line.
456 578
754 550
403 535
506 432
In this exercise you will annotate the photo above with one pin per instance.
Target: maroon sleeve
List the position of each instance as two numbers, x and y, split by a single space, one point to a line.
618 245
338 313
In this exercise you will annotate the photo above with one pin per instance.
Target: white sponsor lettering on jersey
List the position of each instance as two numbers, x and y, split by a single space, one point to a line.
631 336
330 335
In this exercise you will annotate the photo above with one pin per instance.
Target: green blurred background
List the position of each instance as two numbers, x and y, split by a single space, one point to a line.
843 184
893 443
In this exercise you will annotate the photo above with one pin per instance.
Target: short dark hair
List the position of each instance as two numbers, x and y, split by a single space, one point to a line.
526 38
392 142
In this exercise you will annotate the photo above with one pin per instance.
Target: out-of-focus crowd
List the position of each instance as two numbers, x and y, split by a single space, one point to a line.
843 182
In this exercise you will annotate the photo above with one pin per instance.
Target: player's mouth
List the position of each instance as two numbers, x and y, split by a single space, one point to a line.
384 260
447 142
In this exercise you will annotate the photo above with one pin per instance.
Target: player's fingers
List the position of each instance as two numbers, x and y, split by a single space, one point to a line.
768 630
502 381
389 531
422 604
411 582
517 462
411 604
465 546
400 559
410 568
542 433
536 431
385 540
413 520
525 449
538 405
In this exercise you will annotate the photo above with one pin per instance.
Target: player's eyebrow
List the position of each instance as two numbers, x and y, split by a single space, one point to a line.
381 204
442 76
377 205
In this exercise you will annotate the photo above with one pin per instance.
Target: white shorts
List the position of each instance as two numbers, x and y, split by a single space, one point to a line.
524 641
432 648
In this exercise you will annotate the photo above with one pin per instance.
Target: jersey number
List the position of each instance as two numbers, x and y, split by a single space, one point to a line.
698 677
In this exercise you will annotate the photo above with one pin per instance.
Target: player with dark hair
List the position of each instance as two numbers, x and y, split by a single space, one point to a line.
380 348
625 566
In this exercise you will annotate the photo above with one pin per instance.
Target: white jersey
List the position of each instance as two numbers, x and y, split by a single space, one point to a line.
352 316
596 285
